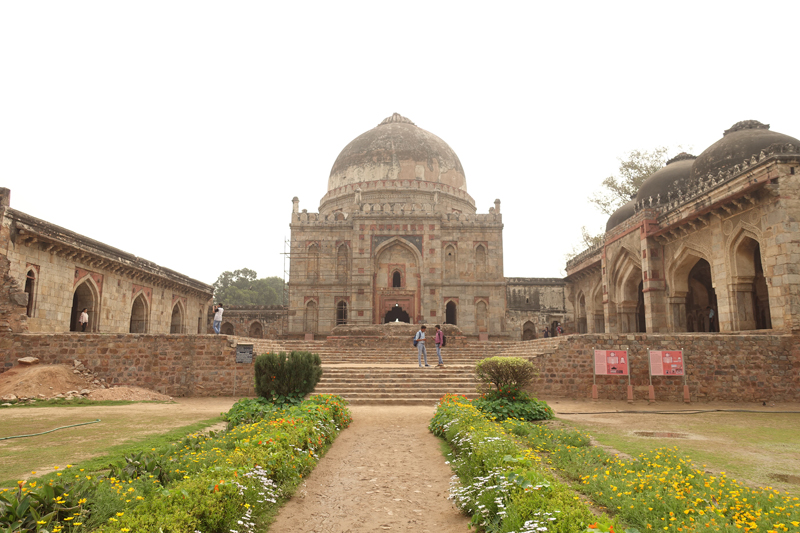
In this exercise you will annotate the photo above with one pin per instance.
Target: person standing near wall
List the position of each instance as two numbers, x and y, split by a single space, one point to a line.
438 339
218 310
83 320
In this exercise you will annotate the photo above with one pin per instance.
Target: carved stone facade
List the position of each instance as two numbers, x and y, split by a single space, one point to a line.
397 237
253 321
709 244
56 273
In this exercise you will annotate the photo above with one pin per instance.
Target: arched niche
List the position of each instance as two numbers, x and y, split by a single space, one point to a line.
86 296
140 313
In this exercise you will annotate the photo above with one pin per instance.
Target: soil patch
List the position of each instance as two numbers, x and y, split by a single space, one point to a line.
385 472
57 381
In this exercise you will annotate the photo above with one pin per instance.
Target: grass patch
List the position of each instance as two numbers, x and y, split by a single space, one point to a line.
115 451
748 446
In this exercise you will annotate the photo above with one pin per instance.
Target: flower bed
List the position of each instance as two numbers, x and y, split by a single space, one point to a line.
205 483
503 488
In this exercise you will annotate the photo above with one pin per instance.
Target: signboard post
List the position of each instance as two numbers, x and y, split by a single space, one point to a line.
667 363
611 363
244 355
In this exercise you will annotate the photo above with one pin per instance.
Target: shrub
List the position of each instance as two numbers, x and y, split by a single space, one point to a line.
505 372
286 379
511 402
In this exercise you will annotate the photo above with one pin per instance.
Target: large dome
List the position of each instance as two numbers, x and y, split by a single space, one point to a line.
667 179
742 141
397 150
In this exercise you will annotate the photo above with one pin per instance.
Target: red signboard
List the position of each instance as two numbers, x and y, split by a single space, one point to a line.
611 362
666 363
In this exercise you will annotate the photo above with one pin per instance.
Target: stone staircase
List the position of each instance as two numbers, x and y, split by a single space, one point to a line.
382 371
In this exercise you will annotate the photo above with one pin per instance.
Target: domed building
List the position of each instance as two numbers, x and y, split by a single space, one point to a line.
397 238
710 243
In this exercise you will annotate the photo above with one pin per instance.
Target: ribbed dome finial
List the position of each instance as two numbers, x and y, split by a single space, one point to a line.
746 125
396 118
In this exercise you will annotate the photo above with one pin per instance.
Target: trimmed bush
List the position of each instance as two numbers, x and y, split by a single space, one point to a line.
283 378
503 372
511 402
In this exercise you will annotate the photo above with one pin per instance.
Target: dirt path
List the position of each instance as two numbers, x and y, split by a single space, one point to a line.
384 473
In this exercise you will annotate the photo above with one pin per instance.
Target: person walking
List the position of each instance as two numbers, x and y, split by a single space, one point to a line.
438 339
84 319
419 338
218 310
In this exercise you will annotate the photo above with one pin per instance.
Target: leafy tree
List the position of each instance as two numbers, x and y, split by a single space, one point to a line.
618 189
634 168
242 287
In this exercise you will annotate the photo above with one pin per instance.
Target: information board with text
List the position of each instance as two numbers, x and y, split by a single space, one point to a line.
611 362
666 363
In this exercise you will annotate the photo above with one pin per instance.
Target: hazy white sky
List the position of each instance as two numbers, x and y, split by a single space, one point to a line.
180 131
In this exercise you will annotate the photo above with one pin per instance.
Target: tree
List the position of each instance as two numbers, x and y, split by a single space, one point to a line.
241 287
636 167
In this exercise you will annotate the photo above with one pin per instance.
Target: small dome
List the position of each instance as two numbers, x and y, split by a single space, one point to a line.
742 141
620 215
397 150
664 180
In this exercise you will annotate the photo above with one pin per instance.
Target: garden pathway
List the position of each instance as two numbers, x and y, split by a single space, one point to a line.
385 472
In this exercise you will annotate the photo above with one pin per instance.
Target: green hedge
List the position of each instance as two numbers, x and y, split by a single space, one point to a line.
287 378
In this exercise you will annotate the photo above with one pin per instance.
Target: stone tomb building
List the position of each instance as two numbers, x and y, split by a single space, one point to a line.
51 274
720 231
398 238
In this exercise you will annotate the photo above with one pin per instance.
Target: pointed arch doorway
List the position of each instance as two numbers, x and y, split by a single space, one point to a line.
396 314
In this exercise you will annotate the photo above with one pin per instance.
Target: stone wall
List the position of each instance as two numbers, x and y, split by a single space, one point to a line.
255 321
733 367
177 365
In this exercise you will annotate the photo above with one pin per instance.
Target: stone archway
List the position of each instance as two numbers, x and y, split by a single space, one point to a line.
397 258
451 313
227 329
528 331
139 314
396 314
177 323
749 291
85 297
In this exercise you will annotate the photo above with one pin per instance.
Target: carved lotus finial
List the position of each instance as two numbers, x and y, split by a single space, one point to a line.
746 125
683 156
396 118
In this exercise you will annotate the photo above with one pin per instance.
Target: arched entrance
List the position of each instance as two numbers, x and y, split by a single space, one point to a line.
700 299
139 315
85 297
641 323
451 313
528 331
397 314
582 314
749 287
176 324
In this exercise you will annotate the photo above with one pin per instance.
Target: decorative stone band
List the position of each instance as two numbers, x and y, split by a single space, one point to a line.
590 251
682 195
367 186
378 211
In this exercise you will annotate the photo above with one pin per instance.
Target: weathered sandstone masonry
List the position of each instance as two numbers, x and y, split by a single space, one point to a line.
746 368
177 365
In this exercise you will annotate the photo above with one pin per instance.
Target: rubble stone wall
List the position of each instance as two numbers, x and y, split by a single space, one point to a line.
176 365
747 368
